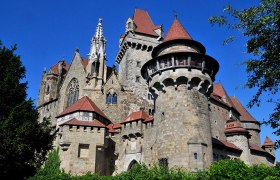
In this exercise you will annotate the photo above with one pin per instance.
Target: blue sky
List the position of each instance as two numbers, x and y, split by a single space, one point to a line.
47 31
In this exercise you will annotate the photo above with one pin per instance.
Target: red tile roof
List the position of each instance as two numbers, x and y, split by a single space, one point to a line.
139 115
256 147
83 104
218 90
177 31
84 61
234 126
268 142
225 144
113 128
144 23
245 115
65 67
91 123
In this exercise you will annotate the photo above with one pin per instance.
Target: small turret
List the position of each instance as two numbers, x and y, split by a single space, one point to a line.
239 136
269 146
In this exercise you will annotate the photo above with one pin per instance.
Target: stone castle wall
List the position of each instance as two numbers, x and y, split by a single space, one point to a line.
84 149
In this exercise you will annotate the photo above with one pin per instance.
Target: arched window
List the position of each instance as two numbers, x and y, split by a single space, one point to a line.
72 92
48 89
112 98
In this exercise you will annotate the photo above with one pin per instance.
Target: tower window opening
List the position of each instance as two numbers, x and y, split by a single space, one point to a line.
112 98
137 79
138 64
163 162
195 156
48 89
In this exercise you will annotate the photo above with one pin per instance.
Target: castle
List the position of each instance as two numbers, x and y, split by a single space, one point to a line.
161 107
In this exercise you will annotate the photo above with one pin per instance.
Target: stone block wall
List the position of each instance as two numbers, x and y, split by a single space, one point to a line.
83 149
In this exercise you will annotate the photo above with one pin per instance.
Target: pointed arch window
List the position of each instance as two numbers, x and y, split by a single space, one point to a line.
48 89
112 98
72 92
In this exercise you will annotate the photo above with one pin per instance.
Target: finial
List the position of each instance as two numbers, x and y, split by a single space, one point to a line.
175 14
100 20
77 50
45 69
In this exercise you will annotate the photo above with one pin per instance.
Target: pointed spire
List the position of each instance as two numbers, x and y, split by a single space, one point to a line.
268 142
97 41
177 31
99 31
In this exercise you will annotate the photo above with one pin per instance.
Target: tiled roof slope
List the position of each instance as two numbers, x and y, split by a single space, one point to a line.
256 147
84 61
90 123
139 115
224 144
219 90
245 115
177 31
268 142
114 127
144 23
83 104
65 67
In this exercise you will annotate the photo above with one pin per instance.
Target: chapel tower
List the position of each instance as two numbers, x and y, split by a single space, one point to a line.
96 67
180 76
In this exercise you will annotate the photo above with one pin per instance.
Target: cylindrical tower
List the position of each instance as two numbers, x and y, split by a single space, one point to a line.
180 76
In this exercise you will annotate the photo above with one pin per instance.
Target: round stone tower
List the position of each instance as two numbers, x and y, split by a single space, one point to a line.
180 77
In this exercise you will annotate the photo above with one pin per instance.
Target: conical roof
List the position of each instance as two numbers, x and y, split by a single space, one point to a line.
177 31
268 142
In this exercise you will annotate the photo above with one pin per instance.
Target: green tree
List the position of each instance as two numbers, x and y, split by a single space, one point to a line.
24 142
261 26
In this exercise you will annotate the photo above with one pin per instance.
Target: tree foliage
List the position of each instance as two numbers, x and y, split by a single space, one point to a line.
261 26
24 142
225 169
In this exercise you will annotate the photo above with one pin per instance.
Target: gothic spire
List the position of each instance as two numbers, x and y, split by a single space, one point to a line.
97 42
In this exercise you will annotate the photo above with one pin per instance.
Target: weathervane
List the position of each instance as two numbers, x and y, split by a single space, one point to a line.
175 14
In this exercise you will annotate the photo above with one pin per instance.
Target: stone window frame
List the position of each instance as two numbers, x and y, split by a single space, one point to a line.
83 147
195 156
112 98
72 92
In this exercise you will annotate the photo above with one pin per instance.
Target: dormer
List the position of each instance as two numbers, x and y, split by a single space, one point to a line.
130 25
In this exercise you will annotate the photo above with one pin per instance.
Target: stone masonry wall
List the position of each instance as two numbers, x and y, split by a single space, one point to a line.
83 149
136 54
241 141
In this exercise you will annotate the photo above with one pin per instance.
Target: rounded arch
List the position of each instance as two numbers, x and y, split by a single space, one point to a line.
168 82
205 86
72 92
157 86
132 165
195 81
182 80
